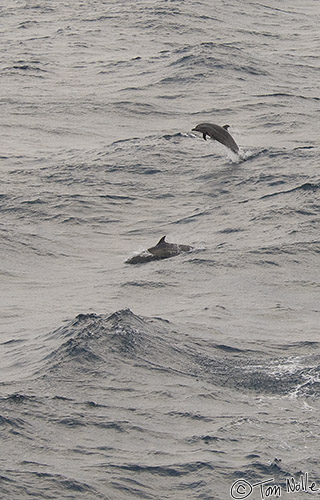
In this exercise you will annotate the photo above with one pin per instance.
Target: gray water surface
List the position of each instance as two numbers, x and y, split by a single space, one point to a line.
175 378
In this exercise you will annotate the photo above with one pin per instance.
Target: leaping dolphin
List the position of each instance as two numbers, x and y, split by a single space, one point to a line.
219 134
162 250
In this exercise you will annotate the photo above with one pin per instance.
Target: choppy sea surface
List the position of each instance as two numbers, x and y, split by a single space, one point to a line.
194 377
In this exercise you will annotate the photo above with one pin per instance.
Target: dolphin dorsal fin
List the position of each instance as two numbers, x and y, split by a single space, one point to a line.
162 240
226 127
204 135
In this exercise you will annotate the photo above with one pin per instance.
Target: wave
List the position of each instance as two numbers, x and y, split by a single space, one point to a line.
100 344
34 69
285 94
306 186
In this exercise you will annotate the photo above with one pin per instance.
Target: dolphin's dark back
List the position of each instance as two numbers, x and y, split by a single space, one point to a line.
162 250
219 134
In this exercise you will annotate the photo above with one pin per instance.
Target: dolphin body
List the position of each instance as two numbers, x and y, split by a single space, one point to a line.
162 250
219 134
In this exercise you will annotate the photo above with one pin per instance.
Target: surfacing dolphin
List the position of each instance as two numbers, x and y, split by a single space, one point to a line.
219 134
162 250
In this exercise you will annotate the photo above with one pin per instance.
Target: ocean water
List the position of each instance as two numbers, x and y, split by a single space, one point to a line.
194 377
